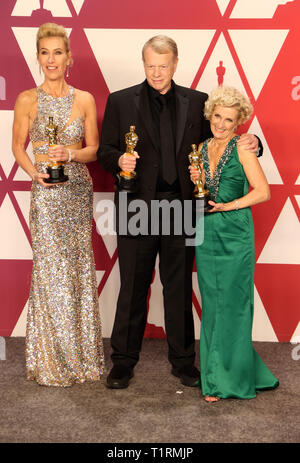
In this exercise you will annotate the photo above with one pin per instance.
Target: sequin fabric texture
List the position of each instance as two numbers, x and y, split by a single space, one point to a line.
63 338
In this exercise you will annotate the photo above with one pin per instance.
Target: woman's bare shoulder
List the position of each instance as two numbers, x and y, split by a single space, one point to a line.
83 96
27 98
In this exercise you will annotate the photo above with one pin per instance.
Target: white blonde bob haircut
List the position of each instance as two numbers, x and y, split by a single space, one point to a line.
229 97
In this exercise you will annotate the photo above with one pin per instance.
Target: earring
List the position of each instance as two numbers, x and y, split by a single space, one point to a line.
68 69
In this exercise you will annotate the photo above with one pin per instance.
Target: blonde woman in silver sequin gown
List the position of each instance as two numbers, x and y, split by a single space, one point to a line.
63 339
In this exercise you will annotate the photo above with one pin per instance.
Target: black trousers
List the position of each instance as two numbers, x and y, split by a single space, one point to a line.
137 257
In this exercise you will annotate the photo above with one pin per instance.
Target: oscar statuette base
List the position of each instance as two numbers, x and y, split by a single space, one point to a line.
128 184
204 198
56 175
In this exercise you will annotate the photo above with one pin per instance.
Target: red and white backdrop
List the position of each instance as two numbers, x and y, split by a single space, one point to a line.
252 45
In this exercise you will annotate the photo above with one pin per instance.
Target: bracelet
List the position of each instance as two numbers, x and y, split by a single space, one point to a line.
236 205
70 155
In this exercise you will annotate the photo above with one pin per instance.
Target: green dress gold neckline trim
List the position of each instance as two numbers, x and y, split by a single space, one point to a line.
212 182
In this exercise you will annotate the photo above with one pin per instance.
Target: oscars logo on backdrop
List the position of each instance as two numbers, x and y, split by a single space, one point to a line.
41 12
226 56
47 9
220 73
2 88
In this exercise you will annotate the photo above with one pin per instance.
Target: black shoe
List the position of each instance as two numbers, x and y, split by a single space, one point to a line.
119 377
189 375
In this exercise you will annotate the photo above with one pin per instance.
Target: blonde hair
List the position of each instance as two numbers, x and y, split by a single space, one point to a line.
161 44
52 30
229 97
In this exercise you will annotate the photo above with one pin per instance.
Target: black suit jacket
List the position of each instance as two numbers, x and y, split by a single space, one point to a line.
131 107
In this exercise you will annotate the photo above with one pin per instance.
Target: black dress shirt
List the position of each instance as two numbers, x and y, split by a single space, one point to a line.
156 107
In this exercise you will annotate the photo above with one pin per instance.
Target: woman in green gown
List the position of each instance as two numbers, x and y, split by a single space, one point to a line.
230 367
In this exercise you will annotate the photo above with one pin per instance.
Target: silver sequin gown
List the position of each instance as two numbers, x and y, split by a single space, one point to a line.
63 338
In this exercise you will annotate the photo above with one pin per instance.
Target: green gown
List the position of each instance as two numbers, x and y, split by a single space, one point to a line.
230 367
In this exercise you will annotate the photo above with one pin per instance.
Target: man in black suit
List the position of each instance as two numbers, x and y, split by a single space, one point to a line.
168 119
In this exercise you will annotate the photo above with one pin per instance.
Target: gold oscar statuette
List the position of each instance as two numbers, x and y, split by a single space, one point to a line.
127 181
200 192
55 168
